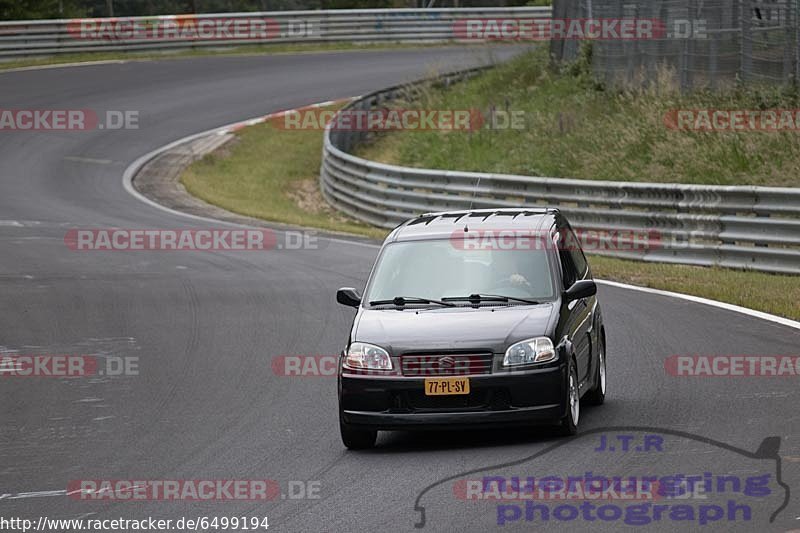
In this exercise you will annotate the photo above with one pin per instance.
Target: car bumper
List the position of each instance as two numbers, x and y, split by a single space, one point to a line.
500 399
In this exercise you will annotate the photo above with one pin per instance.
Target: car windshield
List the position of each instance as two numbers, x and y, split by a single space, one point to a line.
437 269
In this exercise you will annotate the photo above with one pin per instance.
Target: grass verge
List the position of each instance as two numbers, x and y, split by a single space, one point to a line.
271 174
574 128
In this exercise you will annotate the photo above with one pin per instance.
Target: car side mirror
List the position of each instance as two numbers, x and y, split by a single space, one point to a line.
348 296
580 289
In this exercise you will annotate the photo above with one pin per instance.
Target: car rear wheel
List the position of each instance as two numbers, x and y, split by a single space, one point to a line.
569 424
597 395
357 439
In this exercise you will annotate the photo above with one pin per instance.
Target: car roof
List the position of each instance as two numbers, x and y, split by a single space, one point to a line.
442 225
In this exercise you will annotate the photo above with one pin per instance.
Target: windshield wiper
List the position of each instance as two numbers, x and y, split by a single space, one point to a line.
478 298
401 301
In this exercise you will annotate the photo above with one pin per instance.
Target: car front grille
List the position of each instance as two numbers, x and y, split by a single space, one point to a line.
446 364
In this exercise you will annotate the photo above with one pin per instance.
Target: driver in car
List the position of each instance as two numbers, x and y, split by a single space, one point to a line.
513 267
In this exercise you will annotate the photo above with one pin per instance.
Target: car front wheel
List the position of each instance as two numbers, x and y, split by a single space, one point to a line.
569 424
597 395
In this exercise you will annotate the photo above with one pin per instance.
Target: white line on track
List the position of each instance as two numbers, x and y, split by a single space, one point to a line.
133 169
705 301
78 159
55 493
64 65
38 494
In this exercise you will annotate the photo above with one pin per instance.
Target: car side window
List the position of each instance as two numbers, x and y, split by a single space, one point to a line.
570 275
576 254
568 271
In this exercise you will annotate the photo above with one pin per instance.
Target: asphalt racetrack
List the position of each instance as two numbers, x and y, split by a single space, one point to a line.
205 328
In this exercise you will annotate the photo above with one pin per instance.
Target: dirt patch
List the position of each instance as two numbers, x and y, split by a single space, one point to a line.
307 196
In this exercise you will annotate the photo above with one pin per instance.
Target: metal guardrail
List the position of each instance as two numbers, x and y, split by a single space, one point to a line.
754 228
49 37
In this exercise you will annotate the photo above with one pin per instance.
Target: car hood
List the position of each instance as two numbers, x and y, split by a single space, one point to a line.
481 329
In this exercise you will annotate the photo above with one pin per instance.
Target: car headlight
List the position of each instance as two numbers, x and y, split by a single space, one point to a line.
365 356
529 351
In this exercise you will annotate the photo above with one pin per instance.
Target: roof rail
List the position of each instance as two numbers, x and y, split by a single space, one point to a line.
498 211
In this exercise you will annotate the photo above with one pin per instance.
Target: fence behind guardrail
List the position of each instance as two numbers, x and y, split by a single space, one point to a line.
706 43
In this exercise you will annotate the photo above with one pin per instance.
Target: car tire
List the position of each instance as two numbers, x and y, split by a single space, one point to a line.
569 424
357 439
597 395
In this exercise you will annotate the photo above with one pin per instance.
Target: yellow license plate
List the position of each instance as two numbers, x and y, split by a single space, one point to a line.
446 386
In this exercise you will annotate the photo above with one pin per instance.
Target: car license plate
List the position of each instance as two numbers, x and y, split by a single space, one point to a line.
446 386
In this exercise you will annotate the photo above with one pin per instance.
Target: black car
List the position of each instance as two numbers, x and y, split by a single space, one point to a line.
476 318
